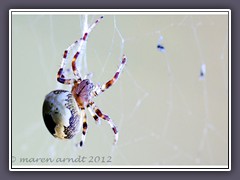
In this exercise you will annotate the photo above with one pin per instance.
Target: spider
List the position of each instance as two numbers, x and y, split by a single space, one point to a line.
64 111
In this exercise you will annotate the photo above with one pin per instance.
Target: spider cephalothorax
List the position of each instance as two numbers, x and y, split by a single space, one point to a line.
81 91
64 111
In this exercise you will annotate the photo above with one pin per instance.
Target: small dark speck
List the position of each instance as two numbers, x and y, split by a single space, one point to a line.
160 47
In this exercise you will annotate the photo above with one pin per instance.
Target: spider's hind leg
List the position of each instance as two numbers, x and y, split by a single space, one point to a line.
84 127
94 115
108 119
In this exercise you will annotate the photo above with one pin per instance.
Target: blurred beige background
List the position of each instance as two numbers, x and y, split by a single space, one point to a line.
164 113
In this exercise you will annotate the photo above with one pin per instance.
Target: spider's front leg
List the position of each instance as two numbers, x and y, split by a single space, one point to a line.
101 89
60 76
81 41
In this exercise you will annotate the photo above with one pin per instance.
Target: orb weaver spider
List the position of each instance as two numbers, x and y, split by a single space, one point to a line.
64 111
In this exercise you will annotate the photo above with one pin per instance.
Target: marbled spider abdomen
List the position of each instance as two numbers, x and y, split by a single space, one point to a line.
61 114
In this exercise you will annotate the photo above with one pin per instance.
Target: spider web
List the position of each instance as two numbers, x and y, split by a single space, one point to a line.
170 104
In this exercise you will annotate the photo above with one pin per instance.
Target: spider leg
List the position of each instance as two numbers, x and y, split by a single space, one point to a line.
108 119
82 40
101 89
94 115
60 76
84 127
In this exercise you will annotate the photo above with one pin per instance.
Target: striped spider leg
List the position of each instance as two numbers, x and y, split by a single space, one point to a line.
60 76
100 89
95 111
83 90
107 118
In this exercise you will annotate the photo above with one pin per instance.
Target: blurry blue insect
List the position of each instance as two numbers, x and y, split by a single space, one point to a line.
160 47
202 72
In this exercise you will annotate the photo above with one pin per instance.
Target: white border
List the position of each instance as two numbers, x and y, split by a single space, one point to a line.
229 89
10 91
121 168
119 12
